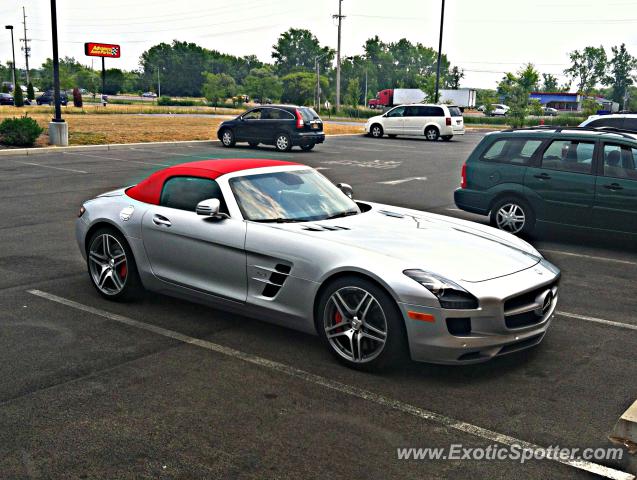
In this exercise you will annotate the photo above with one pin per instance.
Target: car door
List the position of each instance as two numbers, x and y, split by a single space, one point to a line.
563 182
248 125
615 205
193 251
414 123
393 123
276 120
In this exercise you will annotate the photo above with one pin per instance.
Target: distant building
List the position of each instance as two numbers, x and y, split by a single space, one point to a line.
571 102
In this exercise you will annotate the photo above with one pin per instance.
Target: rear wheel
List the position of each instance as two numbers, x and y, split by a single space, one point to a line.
432 134
512 215
308 147
376 131
447 138
111 265
227 138
282 142
361 324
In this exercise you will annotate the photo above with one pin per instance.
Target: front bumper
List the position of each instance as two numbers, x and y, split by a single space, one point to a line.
491 333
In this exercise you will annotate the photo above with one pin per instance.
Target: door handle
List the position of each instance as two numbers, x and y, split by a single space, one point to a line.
543 176
161 220
614 186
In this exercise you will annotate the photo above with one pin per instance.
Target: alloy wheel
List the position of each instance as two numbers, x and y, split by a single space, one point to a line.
376 131
282 142
510 217
355 324
107 264
226 138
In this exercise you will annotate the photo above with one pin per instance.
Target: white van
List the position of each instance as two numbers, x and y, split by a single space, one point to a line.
432 121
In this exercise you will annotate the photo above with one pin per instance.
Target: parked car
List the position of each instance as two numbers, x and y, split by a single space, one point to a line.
283 126
149 95
579 176
47 98
278 241
625 121
550 111
432 121
6 99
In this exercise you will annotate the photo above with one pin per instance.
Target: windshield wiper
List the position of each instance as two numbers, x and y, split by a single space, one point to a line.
347 213
279 220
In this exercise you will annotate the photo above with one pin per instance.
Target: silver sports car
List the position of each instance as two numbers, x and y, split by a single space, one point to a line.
278 241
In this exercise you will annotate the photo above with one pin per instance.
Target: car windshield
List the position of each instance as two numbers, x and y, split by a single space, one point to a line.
290 196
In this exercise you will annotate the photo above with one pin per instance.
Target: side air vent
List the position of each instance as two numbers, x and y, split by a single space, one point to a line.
274 278
323 228
391 214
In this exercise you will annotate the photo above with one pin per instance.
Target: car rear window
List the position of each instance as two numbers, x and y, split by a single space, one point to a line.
455 112
516 151
309 114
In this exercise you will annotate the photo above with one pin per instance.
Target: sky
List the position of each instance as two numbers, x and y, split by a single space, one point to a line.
484 37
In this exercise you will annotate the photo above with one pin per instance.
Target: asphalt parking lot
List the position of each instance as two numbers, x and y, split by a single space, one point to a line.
161 388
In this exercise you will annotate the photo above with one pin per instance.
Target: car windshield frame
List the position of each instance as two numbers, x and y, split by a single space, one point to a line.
260 200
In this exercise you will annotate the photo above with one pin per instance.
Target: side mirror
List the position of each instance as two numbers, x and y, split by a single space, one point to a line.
346 188
210 208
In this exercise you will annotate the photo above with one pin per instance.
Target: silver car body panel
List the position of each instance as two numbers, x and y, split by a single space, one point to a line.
274 271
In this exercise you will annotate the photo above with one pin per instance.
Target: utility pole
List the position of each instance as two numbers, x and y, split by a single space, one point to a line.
15 84
318 86
26 41
158 84
340 17
442 20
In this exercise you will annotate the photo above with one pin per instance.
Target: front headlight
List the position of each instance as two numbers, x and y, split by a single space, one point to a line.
449 294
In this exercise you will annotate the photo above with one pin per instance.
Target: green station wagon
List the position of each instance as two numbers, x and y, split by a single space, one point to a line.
584 177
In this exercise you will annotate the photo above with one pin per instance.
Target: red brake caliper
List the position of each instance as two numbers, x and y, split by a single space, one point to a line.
123 271
338 318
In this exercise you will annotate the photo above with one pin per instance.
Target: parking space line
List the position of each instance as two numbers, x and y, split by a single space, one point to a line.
402 180
590 257
162 152
117 159
343 388
611 323
49 166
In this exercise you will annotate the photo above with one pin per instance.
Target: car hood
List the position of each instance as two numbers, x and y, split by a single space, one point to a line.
457 249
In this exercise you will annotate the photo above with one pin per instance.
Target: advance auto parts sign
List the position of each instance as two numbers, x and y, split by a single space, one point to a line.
102 50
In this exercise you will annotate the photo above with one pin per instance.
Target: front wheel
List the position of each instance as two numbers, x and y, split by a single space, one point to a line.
227 138
308 147
360 324
512 215
432 134
282 142
376 131
111 265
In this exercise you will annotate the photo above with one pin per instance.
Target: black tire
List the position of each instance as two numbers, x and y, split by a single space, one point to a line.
376 131
512 206
132 286
447 138
392 352
282 142
392 135
227 138
432 134
253 144
308 147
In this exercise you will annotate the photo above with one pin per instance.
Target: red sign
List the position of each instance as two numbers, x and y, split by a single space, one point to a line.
102 50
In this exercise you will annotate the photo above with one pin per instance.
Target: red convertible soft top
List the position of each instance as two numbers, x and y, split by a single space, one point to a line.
149 190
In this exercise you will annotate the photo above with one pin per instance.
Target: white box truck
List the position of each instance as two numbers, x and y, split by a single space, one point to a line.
462 97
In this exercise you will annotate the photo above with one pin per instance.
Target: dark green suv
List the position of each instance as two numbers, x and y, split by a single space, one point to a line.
584 177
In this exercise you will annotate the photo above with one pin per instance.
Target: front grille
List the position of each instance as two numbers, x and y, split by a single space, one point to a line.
522 311
526 298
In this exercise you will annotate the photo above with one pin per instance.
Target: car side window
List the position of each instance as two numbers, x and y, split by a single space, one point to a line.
607 122
184 193
396 112
569 156
278 114
413 112
516 151
253 114
620 161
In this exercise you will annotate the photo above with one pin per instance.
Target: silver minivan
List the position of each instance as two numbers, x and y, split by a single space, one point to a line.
432 121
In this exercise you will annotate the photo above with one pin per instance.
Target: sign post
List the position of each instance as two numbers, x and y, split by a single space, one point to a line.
103 50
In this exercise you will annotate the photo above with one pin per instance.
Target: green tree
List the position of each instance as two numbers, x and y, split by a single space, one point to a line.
453 78
353 92
515 88
262 83
622 67
5 88
550 83
18 97
88 79
587 67
30 91
218 86
300 87
114 82
296 50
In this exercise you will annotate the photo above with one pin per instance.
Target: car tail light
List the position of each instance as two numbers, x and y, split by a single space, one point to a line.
299 119
448 121
463 181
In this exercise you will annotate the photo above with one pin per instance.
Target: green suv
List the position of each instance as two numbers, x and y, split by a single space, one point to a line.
584 177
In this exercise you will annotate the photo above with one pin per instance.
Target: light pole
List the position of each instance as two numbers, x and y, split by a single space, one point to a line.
318 81
442 19
58 128
10 27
